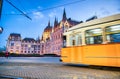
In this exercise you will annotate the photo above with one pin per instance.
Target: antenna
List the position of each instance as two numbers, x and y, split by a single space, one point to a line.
19 10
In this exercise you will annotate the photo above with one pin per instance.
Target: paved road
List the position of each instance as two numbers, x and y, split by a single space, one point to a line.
31 59
29 70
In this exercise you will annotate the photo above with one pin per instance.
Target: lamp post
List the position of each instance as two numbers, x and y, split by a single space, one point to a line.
1 30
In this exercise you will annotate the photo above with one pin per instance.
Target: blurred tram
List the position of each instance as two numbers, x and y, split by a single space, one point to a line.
95 42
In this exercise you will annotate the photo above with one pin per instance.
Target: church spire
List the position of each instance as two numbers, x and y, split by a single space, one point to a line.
64 16
55 22
49 23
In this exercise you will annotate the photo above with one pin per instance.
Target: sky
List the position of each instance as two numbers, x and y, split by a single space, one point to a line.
41 11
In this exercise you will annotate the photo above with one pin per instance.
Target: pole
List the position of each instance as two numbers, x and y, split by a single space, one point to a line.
1 3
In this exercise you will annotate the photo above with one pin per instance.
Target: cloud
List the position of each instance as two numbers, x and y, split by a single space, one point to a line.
39 7
52 14
61 8
104 11
12 12
37 15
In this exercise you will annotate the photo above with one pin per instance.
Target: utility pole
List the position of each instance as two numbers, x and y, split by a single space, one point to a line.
1 3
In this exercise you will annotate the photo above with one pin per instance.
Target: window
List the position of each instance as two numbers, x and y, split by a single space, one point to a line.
65 28
12 44
75 40
113 33
17 47
78 39
64 41
25 45
72 40
28 51
93 36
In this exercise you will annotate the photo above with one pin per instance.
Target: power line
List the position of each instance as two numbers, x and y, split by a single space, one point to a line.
21 4
51 7
18 10
59 6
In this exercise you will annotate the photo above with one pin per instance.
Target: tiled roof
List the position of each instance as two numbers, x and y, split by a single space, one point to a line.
73 22
15 35
92 18
28 39
48 27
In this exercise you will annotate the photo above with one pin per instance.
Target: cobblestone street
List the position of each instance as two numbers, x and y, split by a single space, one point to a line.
54 71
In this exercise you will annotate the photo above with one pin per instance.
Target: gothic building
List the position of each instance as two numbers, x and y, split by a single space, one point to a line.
55 43
46 33
50 43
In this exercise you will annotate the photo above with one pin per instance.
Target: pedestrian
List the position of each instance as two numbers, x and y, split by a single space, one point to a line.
7 54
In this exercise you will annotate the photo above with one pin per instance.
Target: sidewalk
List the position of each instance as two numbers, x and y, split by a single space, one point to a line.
54 71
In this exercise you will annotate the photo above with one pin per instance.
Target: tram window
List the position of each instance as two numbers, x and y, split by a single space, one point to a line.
93 36
79 40
113 33
64 41
73 42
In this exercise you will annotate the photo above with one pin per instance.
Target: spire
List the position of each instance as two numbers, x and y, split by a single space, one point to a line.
64 16
49 23
55 22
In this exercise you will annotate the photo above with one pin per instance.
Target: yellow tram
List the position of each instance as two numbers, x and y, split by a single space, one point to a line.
95 42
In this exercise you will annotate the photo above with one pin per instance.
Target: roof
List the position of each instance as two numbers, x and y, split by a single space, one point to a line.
73 22
15 35
48 27
28 39
96 21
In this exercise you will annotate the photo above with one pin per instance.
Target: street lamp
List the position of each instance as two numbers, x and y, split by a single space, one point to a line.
1 30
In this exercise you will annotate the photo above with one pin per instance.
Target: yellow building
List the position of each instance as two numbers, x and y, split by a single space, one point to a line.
47 32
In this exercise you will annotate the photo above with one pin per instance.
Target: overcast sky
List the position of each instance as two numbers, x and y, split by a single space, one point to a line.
41 11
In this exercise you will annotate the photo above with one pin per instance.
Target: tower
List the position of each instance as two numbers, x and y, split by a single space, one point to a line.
49 23
55 22
64 16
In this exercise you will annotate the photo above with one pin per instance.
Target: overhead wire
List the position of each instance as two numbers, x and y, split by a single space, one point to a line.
19 10
21 5
66 4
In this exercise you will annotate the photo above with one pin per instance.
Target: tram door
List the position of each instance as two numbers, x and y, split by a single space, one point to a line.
75 50
72 49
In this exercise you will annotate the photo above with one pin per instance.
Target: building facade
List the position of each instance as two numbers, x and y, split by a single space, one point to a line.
55 42
50 43
15 44
30 46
